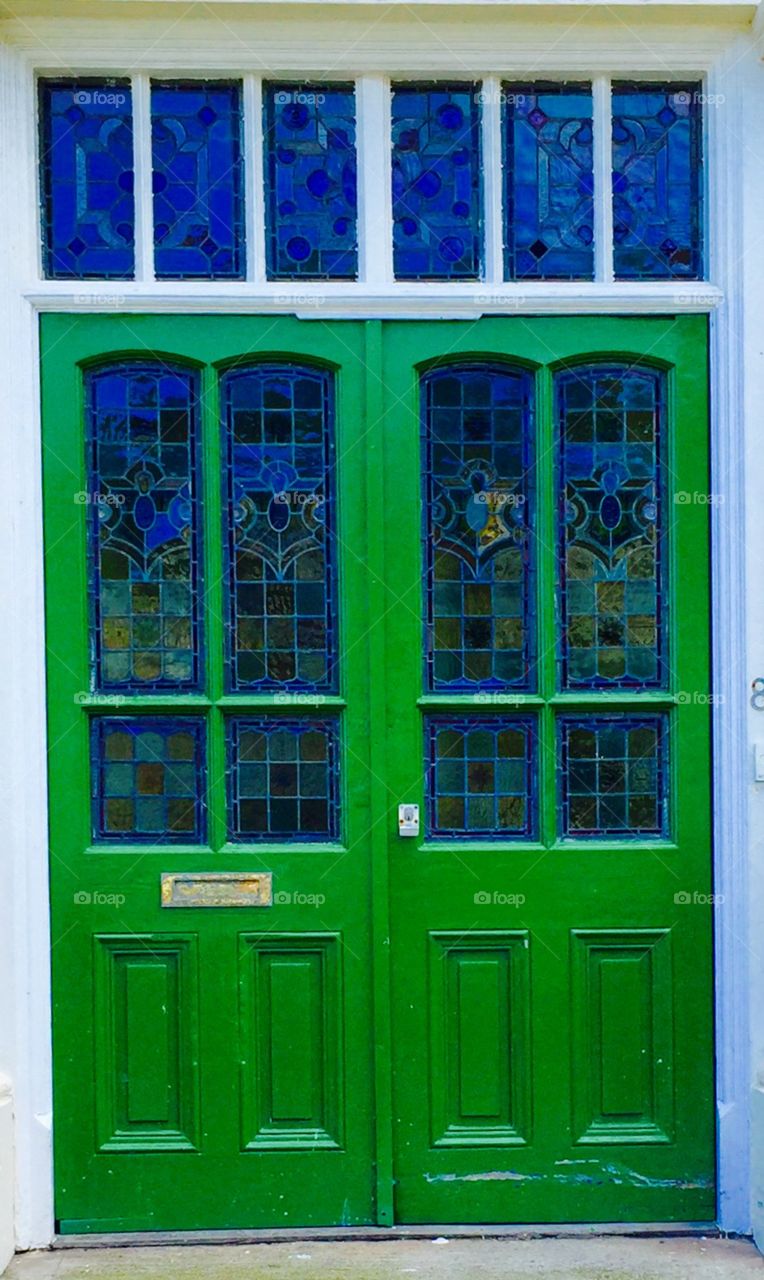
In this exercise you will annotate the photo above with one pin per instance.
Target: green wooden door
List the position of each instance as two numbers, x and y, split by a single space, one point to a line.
551 930
212 1063
262 639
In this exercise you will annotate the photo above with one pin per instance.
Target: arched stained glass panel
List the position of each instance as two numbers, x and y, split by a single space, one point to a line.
478 506
144 526
279 493
612 536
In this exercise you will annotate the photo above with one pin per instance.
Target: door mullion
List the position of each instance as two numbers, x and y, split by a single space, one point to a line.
214 621
546 576
379 834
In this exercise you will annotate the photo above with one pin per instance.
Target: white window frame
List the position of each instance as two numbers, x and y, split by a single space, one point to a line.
376 287
418 43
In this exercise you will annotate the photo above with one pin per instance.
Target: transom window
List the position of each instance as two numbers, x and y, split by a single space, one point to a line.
260 180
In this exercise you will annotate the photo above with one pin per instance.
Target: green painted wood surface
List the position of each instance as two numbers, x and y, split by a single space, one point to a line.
400 1052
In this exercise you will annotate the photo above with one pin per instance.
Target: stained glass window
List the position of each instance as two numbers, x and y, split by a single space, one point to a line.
283 779
477 518
613 777
437 202
279 451
612 587
148 779
310 167
144 526
657 181
87 179
549 181
479 775
198 180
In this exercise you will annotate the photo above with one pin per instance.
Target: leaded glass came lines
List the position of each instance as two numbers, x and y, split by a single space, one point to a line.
278 447
310 171
477 522
613 776
548 157
612 539
198 180
283 779
480 776
657 181
437 197
86 179
144 527
148 779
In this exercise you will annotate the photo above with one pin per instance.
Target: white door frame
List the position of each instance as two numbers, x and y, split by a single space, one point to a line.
420 43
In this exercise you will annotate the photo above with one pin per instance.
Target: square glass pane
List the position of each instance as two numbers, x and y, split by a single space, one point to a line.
480 777
478 513
144 526
148 779
283 779
613 541
278 446
549 177
657 181
613 776
198 180
310 181
86 179
437 194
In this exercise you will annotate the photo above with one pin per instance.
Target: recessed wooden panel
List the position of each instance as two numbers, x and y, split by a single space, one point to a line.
291 1036
146 1043
479 1039
622 1036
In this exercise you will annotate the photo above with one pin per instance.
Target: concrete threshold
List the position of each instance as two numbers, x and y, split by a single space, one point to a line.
283 1235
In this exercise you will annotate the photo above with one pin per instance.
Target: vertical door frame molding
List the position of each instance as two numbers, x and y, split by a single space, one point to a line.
25 1050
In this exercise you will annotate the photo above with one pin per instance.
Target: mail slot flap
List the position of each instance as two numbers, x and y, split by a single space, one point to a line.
217 889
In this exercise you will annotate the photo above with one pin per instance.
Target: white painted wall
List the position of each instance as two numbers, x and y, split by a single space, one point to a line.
464 38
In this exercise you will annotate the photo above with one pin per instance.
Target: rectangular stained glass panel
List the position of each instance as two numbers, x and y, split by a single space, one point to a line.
437 196
613 541
478 513
283 779
198 180
279 490
549 175
310 176
613 776
479 776
148 778
86 179
143 509
657 181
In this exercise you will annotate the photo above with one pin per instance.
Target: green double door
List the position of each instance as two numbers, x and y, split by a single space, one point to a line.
378 689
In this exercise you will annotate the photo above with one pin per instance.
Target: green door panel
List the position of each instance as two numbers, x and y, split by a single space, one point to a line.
416 1030
212 1065
552 1026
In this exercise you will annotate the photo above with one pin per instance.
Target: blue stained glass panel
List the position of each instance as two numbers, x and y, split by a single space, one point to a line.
437 198
197 180
310 170
144 543
612 588
148 779
548 159
657 181
613 776
86 179
278 444
283 779
480 776
478 514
